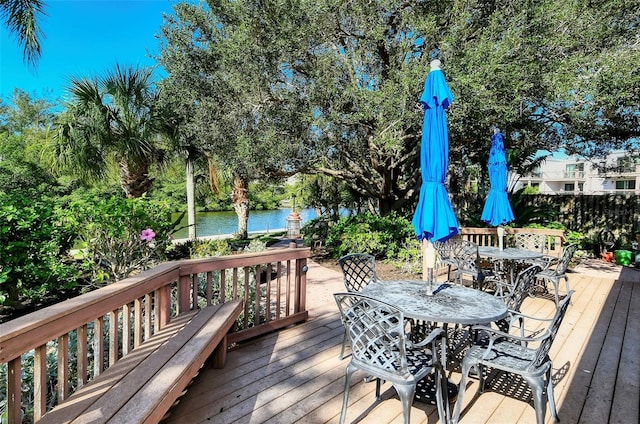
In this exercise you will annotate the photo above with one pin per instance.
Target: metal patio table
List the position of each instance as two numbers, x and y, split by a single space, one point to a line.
505 260
453 305
449 304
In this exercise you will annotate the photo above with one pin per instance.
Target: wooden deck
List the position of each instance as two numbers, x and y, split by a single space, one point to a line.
295 375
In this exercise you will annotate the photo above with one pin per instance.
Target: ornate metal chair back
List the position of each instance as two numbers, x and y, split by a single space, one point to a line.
523 284
376 332
567 255
468 262
529 241
358 270
542 353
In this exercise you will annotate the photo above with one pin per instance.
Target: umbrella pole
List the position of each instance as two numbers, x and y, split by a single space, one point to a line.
500 231
428 264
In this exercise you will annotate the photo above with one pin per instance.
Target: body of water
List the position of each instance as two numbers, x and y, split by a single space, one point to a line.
222 223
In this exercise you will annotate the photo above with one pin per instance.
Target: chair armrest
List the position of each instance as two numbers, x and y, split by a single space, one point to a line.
433 335
500 336
546 261
517 321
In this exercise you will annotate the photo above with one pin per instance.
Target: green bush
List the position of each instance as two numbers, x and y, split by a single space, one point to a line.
381 236
35 238
119 235
208 248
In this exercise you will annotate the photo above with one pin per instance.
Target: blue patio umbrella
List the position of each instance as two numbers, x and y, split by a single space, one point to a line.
497 209
434 218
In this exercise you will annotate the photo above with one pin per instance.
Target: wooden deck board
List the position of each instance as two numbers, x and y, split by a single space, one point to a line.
295 375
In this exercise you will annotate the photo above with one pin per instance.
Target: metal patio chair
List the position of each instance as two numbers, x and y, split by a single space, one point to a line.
358 270
517 352
446 254
536 243
468 264
381 349
519 291
559 272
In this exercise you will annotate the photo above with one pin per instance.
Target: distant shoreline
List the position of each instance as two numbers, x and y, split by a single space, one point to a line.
226 236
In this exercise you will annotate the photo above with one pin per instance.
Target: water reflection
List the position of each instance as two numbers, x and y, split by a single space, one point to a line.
222 223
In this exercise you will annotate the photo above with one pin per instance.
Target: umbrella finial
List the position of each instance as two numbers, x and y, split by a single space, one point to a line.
435 65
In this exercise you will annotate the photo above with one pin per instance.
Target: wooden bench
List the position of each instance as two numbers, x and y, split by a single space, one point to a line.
142 386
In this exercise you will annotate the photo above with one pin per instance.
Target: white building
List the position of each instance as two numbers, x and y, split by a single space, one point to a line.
574 174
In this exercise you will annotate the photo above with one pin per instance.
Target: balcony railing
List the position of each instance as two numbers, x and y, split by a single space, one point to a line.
60 348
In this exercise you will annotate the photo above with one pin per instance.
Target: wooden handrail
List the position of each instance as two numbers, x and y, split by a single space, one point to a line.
272 284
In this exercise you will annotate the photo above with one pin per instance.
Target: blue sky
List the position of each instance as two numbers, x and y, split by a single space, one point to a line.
83 38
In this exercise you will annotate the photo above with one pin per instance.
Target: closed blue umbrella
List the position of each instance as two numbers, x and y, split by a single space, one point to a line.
434 219
497 209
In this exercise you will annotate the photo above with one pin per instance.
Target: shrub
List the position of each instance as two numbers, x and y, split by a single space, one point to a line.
208 248
381 236
35 238
121 235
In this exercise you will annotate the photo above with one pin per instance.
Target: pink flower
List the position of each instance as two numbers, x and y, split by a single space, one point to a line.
147 235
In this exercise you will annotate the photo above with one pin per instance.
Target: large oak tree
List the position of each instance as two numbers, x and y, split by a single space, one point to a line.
550 74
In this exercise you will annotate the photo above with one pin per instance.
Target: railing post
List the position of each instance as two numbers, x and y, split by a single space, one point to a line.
184 287
39 382
163 306
14 392
301 285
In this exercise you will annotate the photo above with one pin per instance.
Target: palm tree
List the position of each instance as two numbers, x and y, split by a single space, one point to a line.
20 16
112 120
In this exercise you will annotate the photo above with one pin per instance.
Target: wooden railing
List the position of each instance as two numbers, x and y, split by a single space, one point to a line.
554 239
60 348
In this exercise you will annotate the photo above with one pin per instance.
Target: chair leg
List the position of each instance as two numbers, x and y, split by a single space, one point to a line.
566 284
345 398
537 389
439 378
550 396
406 393
345 342
557 295
466 367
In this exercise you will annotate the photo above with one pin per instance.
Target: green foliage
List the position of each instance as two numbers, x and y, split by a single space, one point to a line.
111 122
316 229
370 233
208 248
531 190
35 238
527 213
409 258
264 196
112 229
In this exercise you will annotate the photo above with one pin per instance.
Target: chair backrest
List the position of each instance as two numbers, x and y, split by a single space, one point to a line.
358 270
564 261
468 259
445 249
542 353
529 241
524 281
376 332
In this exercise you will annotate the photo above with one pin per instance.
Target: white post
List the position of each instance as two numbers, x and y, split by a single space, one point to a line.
501 237
428 264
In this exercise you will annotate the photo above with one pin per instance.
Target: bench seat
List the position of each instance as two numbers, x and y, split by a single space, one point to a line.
142 386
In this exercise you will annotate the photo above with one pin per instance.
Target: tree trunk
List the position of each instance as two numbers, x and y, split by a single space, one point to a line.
191 201
134 179
240 199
